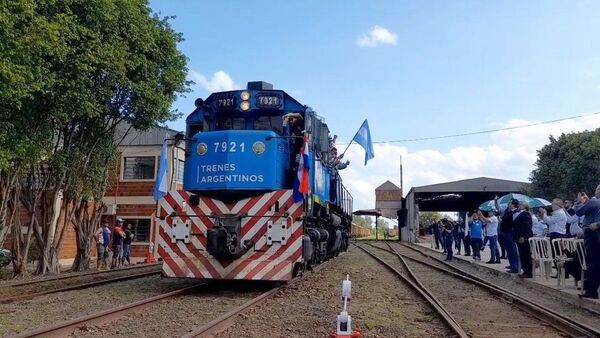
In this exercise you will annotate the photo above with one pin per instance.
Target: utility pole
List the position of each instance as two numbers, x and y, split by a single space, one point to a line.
401 181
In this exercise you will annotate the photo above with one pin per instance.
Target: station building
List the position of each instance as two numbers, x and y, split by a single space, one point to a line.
129 195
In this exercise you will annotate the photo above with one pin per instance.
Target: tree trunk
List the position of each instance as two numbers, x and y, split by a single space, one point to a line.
86 222
8 180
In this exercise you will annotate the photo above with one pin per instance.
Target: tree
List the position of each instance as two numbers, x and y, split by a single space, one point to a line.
428 217
89 65
567 165
363 221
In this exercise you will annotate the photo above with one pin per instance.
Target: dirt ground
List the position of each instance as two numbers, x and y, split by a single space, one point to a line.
381 305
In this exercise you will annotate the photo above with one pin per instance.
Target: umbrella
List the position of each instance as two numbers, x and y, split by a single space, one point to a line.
503 201
520 197
487 205
537 202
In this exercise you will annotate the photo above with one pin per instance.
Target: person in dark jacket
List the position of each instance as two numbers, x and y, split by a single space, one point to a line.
589 208
448 239
436 235
522 232
506 228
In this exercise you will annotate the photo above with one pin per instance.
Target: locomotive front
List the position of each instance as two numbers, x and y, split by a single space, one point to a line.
237 216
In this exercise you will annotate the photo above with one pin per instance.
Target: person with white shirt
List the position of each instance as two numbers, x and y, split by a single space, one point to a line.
557 222
491 227
537 227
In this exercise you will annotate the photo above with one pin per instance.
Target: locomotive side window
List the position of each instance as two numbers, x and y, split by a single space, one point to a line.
274 123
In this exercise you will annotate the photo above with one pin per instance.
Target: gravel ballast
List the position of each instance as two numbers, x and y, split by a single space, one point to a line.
381 305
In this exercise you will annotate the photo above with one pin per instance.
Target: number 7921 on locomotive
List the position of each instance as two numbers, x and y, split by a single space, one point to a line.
262 198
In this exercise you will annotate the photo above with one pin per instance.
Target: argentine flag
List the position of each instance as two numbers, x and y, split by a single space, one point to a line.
161 186
363 137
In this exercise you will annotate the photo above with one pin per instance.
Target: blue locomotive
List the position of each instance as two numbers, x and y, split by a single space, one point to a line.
262 197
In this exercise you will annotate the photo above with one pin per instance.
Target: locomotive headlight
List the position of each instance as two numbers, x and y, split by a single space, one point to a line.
202 149
245 105
259 147
245 95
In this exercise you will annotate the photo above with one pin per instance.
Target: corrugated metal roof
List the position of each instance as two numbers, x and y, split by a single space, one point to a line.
473 184
152 136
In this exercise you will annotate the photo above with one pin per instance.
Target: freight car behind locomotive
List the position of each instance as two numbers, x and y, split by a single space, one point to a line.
262 197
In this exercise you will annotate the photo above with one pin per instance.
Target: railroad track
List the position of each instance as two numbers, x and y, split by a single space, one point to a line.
37 287
76 275
66 328
410 279
549 316
63 329
227 319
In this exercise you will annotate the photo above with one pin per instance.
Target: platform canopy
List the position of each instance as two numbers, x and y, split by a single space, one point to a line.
463 195
459 196
367 212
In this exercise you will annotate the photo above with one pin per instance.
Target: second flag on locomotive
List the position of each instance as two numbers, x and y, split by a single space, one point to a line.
363 138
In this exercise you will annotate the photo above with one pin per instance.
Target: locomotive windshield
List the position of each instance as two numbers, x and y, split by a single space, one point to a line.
265 122
230 123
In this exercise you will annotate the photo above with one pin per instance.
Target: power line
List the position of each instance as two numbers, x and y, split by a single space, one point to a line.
484 131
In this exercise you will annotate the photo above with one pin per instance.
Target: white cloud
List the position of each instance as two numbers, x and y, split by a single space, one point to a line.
509 154
377 36
220 81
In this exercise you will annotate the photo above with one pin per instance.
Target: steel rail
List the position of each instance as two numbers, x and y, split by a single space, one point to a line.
76 287
65 328
551 317
424 292
77 275
224 321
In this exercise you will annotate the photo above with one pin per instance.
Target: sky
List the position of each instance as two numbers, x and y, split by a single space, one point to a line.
414 69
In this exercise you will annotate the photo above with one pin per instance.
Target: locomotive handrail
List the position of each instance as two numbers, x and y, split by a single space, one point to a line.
268 138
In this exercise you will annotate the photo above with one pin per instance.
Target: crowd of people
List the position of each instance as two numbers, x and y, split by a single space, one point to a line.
507 231
113 245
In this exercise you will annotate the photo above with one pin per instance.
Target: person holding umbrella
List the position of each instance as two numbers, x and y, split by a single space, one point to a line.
522 233
506 228
491 225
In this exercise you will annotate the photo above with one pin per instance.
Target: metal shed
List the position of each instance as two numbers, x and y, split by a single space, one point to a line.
459 196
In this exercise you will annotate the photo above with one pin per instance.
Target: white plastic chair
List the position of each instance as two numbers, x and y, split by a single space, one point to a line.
559 248
541 252
560 259
580 249
569 245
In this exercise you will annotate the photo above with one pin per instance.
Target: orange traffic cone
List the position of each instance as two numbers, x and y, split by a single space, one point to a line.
149 255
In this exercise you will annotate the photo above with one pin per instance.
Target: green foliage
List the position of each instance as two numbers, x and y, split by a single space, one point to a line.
364 221
70 72
568 165
428 217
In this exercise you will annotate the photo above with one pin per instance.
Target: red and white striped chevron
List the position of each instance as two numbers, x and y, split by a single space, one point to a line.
263 262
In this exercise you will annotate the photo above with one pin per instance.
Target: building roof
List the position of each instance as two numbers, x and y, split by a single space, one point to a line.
462 195
477 184
367 212
387 185
153 136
